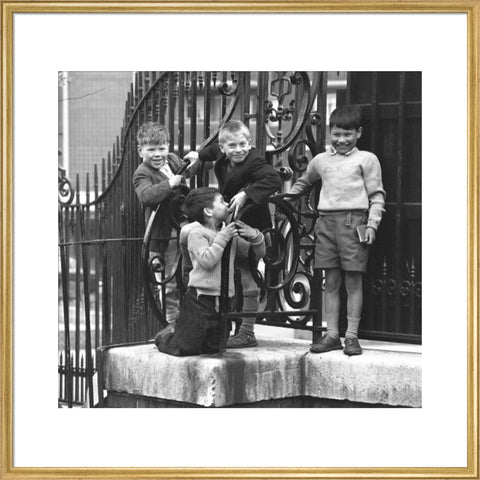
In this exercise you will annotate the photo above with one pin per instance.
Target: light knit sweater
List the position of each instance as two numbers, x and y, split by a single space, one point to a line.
183 243
349 182
206 249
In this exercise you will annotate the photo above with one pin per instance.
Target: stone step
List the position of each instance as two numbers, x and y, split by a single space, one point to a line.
275 369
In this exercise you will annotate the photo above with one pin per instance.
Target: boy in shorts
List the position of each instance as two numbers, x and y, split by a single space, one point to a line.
199 328
351 195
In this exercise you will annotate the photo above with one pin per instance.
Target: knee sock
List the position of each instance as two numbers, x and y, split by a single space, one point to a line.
352 327
250 304
332 326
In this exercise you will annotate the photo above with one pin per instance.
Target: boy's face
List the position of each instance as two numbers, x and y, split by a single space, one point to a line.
219 208
344 140
154 155
236 147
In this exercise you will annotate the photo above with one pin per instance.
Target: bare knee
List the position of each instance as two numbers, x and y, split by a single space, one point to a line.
333 280
353 282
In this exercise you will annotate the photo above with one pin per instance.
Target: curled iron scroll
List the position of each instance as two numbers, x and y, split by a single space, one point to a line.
288 264
66 192
296 111
155 264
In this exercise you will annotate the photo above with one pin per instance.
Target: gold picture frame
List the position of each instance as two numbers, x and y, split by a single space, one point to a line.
469 7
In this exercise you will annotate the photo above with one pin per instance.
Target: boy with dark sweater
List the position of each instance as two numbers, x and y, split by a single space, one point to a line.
351 195
199 328
244 177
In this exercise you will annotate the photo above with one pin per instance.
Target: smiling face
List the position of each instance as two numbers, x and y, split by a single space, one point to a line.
154 155
236 147
343 140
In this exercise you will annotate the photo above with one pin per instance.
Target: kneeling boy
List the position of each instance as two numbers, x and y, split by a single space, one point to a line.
199 327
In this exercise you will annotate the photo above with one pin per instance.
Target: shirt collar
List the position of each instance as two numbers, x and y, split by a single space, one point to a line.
334 152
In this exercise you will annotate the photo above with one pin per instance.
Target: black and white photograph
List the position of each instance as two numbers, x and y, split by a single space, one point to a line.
240 239
260 259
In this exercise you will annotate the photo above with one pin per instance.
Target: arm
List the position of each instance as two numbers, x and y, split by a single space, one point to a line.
209 255
149 193
210 153
307 181
372 174
250 237
263 181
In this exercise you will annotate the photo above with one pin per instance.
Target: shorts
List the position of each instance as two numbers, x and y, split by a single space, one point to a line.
337 244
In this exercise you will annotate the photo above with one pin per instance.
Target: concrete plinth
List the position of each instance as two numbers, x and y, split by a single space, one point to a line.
275 370
386 377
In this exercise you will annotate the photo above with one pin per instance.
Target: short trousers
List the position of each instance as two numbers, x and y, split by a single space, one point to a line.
337 244
199 328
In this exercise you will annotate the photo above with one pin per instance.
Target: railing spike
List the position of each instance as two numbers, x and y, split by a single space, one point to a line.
95 180
87 187
104 175
77 185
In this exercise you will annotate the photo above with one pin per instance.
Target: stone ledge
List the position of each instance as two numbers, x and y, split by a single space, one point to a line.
276 369
386 377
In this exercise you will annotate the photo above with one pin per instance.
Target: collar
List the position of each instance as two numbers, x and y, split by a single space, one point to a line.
334 152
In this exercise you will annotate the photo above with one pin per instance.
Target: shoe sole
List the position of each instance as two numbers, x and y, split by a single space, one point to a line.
351 354
336 347
244 346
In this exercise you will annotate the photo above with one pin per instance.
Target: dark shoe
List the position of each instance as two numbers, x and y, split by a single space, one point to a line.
242 340
352 347
326 344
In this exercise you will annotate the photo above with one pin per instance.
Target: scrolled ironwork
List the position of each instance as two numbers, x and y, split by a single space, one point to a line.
299 162
276 243
300 289
411 286
228 90
154 264
66 192
287 269
295 113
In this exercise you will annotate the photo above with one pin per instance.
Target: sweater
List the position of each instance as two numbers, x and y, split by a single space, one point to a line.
183 243
349 182
206 249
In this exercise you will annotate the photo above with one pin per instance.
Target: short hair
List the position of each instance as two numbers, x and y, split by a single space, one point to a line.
197 200
347 117
152 133
231 128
